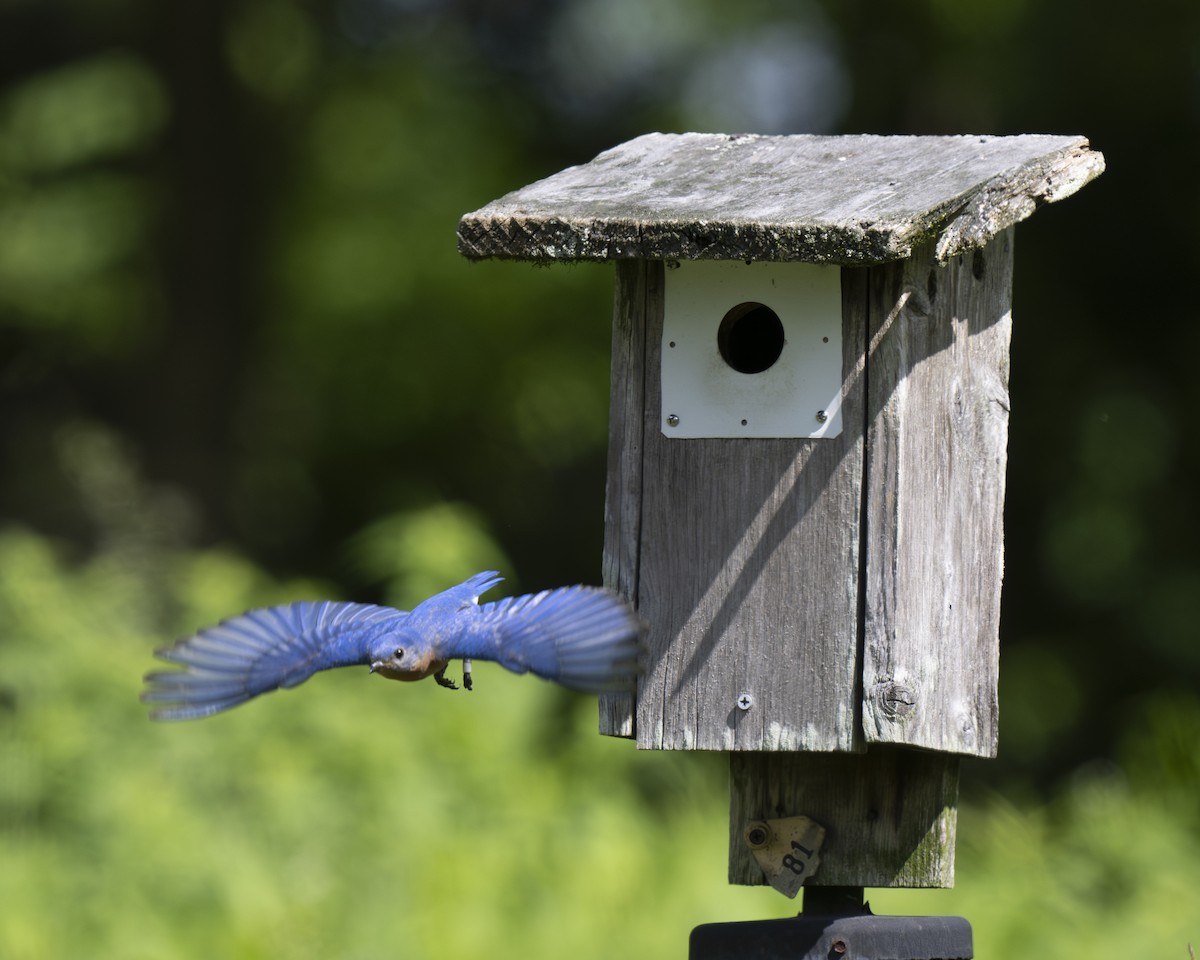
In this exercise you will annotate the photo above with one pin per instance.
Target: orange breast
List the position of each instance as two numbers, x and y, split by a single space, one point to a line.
419 672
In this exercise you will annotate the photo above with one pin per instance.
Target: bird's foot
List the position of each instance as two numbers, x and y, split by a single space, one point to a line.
467 681
445 681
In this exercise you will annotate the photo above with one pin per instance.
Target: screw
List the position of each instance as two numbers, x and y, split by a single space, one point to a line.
757 836
672 420
745 701
672 264
822 416
839 946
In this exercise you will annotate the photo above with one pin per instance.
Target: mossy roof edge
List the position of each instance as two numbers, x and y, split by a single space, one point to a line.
856 199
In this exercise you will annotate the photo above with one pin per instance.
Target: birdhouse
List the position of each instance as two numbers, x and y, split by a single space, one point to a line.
807 452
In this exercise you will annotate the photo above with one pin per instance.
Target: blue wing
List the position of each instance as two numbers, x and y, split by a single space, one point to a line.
582 637
263 650
464 596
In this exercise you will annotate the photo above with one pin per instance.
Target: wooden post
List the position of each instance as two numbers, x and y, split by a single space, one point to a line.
889 814
821 600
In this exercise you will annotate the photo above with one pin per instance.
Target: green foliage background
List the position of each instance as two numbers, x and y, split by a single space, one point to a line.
352 819
242 362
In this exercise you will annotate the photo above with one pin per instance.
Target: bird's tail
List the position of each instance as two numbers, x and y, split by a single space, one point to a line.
585 638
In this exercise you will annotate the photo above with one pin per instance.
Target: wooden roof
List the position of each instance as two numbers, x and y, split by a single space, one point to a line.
824 199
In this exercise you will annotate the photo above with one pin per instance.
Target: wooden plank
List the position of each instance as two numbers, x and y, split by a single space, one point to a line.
638 283
936 455
844 199
748 578
889 814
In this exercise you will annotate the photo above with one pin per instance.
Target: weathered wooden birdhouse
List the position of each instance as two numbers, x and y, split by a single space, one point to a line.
807 456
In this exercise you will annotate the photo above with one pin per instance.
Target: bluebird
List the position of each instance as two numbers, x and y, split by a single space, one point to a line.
582 637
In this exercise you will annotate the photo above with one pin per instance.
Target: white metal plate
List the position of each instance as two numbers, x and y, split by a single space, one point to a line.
703 396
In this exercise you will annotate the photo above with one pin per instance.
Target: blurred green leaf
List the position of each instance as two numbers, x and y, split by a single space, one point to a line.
422 552
92 109
1092 550
273 47
1037 679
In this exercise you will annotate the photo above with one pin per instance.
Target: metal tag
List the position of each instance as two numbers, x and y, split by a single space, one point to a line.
786 850
751 350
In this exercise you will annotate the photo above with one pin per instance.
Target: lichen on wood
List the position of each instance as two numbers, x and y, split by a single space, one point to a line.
848 200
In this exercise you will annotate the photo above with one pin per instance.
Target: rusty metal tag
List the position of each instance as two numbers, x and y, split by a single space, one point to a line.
786 850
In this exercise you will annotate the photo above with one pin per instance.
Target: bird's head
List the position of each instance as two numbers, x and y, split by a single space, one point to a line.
401 656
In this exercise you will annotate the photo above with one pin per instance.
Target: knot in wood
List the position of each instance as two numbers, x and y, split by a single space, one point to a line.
896 701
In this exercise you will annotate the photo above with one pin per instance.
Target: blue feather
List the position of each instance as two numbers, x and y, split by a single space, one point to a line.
582 637
262 650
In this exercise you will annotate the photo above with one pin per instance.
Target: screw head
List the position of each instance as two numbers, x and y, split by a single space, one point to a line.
822 416
672 420
745 701
757 836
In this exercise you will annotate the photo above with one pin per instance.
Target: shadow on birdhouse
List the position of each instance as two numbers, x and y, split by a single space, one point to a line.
808 434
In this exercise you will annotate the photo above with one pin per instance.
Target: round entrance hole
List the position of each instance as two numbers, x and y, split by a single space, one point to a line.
750 337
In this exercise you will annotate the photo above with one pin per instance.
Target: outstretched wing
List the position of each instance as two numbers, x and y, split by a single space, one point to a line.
449 602
262 650
582 637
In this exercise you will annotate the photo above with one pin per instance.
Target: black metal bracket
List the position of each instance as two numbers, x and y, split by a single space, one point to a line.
835 925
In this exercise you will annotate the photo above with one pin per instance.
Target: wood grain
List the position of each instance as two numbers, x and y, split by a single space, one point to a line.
889 814
936 457
841 199
639 283
747 572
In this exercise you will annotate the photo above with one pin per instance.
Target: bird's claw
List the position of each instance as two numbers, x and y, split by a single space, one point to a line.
445 681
